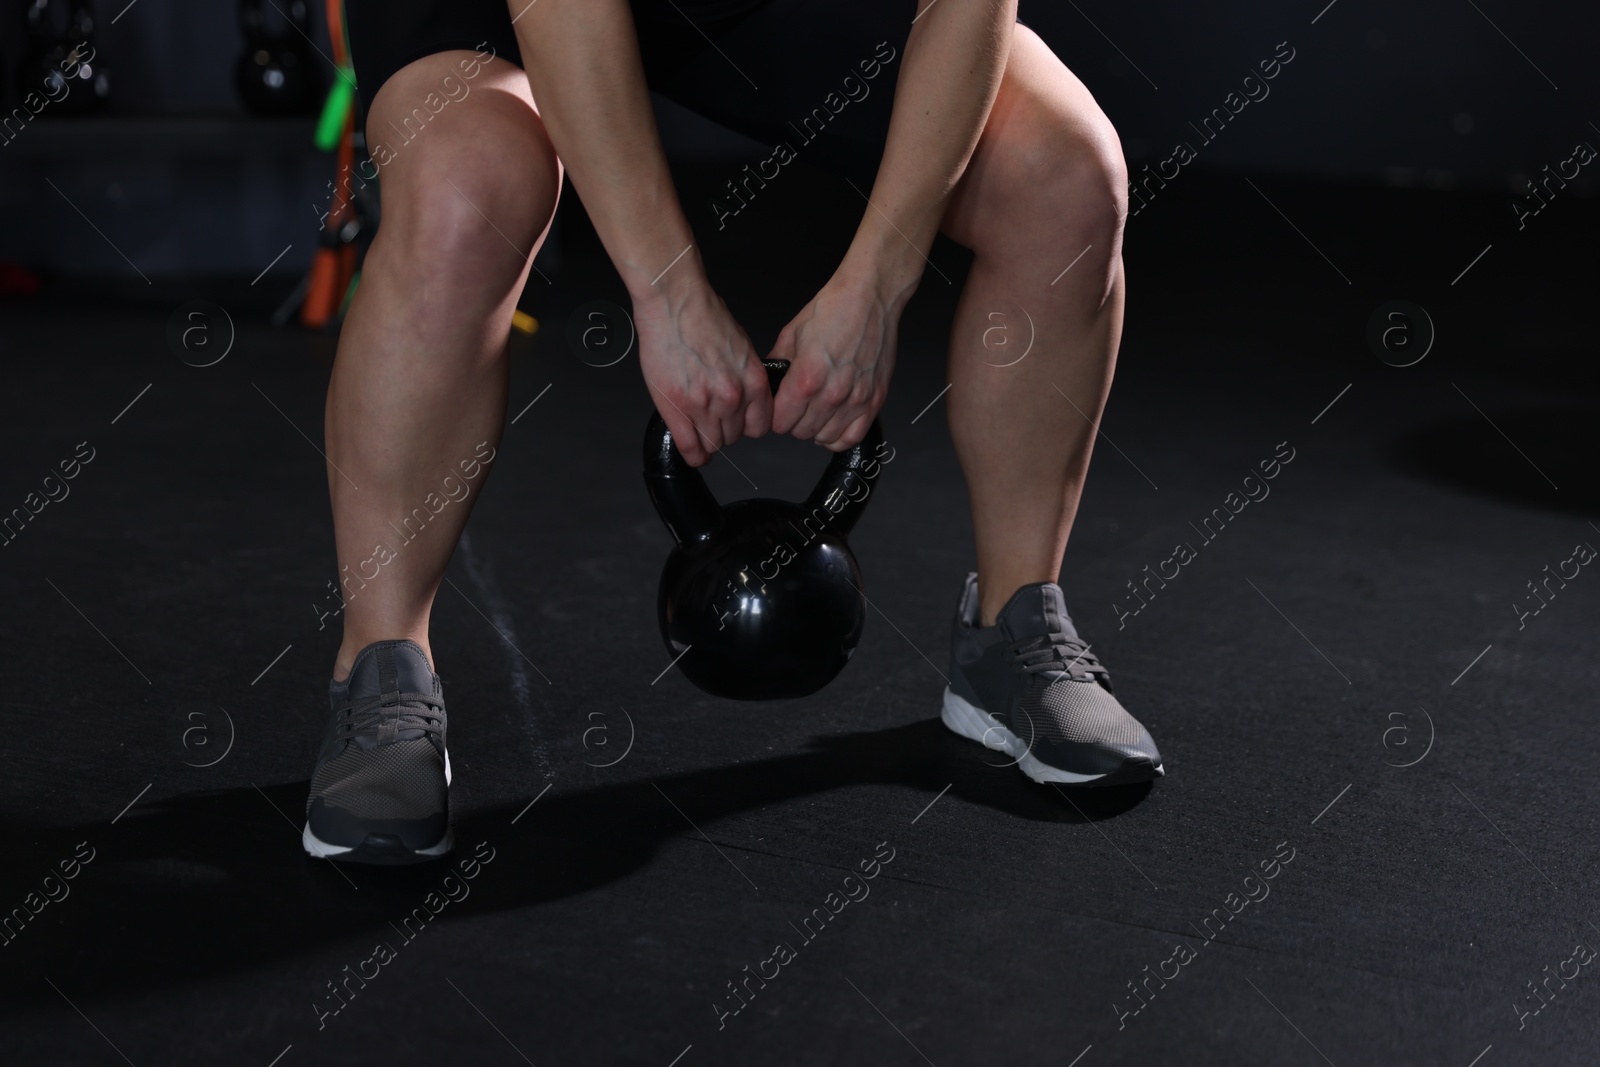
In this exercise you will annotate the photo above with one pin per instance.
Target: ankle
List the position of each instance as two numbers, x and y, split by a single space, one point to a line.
993 596
353 644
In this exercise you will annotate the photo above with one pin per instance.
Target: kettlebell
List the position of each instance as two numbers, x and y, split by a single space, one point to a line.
60 69
760 599
276 73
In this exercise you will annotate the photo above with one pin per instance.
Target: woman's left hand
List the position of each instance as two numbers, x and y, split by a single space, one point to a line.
841 351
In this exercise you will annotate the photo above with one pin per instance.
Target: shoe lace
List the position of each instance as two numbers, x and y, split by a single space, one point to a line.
1059 652
387 716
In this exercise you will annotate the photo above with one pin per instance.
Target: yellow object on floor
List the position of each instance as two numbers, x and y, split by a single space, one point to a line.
521 320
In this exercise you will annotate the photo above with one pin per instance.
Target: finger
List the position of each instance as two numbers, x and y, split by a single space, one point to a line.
708 430
725 411
788 405
807 393
758 411
820 410
838 426
685 440
691 444
853 435
849 424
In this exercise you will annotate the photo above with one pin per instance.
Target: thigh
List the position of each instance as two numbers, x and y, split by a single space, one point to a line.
452 114
816 77
469 180
1047 155
388 35
450 121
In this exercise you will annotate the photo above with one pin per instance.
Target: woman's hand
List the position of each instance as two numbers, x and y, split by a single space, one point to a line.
703 374
841 353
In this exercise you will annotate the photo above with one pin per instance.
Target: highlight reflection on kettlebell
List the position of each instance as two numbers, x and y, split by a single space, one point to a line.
761 599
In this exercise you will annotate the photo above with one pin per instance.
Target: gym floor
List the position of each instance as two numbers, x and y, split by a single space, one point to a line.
1355 697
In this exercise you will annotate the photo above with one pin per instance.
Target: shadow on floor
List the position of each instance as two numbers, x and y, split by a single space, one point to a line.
215 883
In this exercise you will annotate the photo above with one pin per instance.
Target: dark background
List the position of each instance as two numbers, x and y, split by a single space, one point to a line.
1341 672
1425 96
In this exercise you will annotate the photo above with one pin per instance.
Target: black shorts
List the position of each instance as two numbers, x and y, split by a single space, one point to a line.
817 76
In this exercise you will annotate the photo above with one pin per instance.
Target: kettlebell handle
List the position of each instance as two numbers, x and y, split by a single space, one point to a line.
686 504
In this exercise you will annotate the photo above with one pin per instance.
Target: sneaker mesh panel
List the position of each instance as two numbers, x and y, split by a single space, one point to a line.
1080 712
403 780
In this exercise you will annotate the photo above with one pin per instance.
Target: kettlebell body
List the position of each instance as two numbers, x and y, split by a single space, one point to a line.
761 599
60 70
276 73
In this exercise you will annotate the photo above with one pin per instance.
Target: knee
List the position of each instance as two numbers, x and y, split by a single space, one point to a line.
1068 176
1093 193
474 227
1054 191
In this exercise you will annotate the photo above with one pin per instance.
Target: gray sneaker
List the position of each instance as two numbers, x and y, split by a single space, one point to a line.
379 793
1028 686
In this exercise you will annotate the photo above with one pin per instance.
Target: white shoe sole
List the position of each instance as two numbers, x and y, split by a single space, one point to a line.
978 725
321 849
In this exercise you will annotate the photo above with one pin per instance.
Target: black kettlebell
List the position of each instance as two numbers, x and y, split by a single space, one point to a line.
277 74
761 599
60 72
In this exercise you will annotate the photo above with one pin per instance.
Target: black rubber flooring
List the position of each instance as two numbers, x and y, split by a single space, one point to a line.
1339 684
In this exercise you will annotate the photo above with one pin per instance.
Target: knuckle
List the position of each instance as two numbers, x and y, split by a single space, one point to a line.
727 394
679 397
835 394
808 382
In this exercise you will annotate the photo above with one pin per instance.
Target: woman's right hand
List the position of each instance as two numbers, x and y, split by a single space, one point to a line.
705 377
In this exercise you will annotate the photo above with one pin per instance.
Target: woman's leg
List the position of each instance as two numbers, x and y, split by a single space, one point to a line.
1041 206
421 374
1045 191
